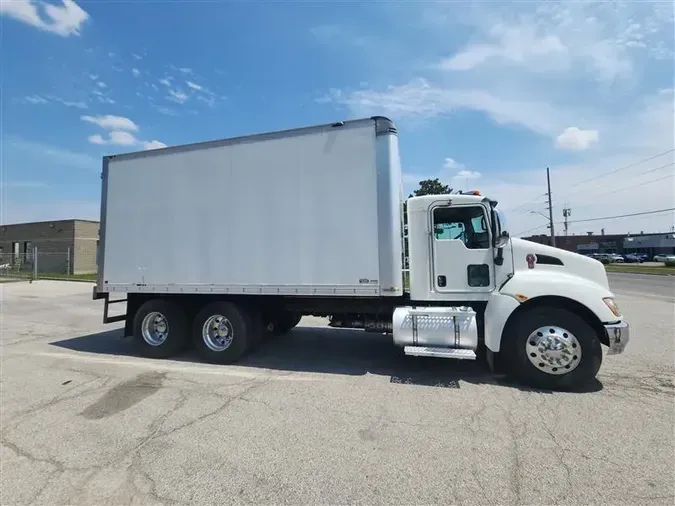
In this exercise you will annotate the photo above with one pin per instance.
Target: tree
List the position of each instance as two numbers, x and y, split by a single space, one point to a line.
431 187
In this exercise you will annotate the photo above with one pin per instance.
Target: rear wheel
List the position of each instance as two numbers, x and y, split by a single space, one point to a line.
223 332
552 348
160 328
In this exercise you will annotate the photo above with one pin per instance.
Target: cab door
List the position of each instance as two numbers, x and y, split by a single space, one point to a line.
462 253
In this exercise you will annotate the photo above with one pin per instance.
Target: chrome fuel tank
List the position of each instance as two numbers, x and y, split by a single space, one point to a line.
449 327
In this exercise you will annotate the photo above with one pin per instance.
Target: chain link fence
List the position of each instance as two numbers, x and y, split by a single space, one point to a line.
17 266
38 264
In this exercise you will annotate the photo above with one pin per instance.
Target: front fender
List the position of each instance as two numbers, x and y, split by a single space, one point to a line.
526 287
499 309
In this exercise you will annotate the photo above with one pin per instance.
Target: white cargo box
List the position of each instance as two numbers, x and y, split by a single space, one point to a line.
311 211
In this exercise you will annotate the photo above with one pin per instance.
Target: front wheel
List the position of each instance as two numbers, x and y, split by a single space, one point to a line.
552 348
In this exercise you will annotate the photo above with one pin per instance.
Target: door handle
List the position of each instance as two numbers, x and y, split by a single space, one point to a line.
441 281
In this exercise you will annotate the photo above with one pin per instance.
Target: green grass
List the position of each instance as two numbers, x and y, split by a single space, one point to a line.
641 269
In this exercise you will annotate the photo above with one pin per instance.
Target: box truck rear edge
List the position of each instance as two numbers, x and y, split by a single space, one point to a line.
220 244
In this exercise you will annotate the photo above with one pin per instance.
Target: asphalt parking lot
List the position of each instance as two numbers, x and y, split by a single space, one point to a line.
321 416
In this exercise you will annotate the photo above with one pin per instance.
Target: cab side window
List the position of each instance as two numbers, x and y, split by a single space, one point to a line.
467 224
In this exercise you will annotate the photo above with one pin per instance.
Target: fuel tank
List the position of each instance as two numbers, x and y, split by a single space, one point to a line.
448 327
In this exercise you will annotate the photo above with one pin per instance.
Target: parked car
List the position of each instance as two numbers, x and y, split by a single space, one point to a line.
633 258
667 259
608 258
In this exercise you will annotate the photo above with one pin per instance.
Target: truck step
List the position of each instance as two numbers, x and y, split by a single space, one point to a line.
426 351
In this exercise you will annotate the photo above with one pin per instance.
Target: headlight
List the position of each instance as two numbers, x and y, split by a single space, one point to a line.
609 302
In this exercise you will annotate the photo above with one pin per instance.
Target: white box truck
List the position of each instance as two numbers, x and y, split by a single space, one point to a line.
221 243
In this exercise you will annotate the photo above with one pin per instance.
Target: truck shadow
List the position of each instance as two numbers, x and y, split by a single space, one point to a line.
331 351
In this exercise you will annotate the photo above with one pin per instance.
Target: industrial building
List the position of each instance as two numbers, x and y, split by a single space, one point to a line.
63 246
649 244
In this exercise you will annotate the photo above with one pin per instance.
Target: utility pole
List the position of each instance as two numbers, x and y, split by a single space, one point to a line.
567 212
550 207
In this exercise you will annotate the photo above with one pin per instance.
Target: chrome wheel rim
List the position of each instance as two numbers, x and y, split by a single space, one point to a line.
217 333
155 328
553 350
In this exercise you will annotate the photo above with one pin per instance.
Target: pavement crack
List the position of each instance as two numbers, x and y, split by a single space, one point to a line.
560 455
515 468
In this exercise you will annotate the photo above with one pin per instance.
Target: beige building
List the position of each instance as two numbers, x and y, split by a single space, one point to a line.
63 246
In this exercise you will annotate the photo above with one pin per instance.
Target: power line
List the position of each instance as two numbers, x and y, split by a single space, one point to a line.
657 168
622 168
530 230
527 203
604 218
601 176
633 186
624 215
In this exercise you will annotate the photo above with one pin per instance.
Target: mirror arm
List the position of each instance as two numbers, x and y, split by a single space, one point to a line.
499 259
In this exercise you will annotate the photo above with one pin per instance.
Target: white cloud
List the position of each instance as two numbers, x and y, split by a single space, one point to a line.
136 56
515 44
135 72
93 77
111 122
420 99
185 70
452 164
153 145
193 86
468 174
119 134
36 99
166 81
121 138
101 84
69 103
165 110
575 139
111 54
96 139
177 96
607 40
66 19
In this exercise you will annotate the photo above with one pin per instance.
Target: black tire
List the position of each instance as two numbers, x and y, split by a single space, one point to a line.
518 364
239 323
178 329
285 322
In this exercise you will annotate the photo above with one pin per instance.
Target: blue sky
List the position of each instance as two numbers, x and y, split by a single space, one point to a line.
485 94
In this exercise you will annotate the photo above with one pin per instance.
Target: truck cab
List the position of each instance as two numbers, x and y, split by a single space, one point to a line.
542 311
456 247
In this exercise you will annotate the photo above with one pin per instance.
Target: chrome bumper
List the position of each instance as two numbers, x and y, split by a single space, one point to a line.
618 335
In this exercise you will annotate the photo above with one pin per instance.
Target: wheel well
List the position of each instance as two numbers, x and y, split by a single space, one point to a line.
559 302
